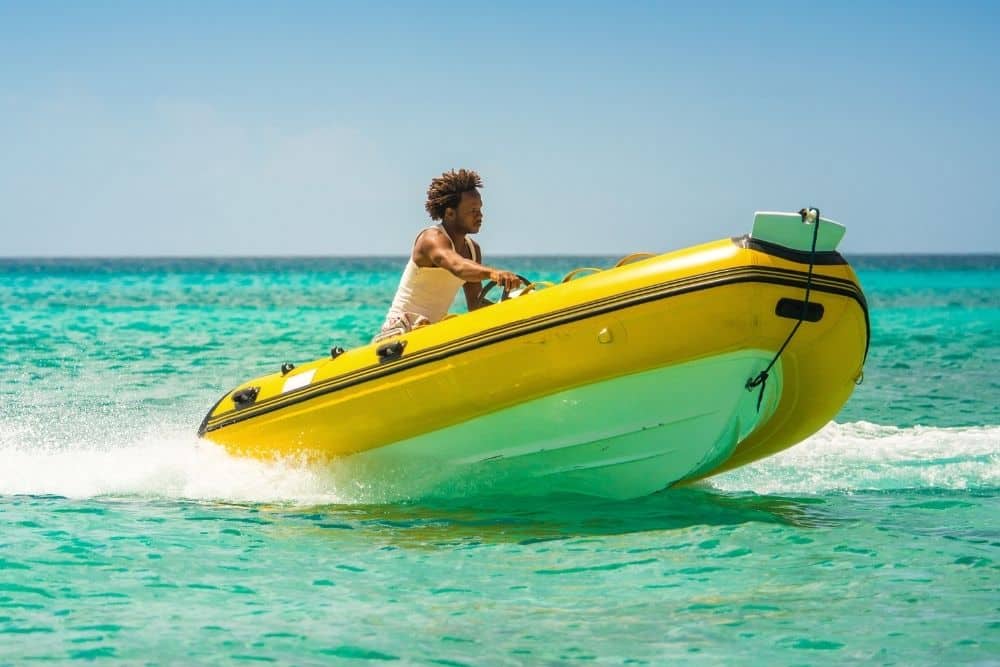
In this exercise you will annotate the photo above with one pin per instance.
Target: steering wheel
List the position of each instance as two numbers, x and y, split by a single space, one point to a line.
506 292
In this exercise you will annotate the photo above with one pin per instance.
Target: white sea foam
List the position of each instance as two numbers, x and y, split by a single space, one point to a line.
170 462
864 456
158 464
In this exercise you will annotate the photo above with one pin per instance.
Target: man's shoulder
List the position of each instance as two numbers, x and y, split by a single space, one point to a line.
431 235
429 242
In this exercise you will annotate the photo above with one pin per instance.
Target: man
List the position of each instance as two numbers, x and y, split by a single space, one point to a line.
444 258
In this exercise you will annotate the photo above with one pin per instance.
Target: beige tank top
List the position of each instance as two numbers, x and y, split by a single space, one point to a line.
427 291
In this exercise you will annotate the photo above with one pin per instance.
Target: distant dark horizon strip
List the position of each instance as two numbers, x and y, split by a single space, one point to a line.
46 260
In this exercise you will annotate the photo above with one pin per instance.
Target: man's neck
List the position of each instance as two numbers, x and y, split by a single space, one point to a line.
457 236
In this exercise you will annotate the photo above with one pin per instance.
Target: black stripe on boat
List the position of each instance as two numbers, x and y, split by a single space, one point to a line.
516 328
823 258
736 275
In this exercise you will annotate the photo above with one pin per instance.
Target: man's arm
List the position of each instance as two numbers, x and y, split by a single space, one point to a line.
472 299
434 249
473 289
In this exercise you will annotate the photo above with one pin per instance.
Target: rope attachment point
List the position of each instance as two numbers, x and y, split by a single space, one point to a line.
810 216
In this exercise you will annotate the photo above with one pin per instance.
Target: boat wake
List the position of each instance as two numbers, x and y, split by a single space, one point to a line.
160 463
862 456
167 462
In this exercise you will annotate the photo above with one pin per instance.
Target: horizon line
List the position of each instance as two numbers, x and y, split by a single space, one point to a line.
399 256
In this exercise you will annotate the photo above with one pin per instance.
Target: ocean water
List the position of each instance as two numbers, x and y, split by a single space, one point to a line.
123 538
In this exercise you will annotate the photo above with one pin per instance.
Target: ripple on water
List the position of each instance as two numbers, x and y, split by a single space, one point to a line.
123 537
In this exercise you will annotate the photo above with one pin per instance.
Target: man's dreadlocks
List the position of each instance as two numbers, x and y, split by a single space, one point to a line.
446 190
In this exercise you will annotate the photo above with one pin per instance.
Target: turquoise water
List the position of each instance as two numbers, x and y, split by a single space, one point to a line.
125 538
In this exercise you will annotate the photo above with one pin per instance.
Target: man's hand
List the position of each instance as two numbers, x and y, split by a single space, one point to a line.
505 279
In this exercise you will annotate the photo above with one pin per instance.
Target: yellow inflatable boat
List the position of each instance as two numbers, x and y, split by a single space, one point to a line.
619 382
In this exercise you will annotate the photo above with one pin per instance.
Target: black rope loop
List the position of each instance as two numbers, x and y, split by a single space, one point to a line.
761 379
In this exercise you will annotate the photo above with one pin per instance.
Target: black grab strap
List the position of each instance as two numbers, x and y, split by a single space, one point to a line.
761 379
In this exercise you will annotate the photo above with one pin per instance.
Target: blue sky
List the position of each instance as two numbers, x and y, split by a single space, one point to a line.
183 128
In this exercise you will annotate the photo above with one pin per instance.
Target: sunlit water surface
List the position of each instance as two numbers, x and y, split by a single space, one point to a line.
125 537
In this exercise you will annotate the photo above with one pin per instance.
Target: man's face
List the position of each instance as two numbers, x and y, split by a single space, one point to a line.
468 217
